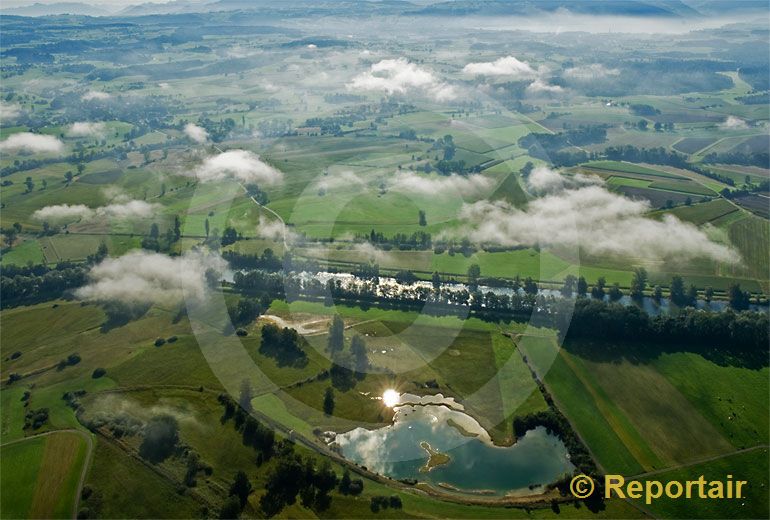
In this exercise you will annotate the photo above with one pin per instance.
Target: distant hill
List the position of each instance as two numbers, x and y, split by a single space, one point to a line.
57 8
656 8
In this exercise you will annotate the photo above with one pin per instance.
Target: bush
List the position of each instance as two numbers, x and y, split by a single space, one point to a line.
160 342
172 339
161 436
241 332
99 372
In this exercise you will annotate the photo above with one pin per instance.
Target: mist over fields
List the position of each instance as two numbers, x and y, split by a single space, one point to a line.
383 259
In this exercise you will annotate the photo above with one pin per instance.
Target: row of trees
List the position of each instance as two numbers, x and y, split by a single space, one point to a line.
734 337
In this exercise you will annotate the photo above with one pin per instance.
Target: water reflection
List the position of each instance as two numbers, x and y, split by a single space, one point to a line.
449 449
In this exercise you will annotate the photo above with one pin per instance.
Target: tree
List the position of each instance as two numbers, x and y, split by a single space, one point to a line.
154 231
474 272
568 288
358 349
739 300
598 290
230 509
241 488
229 236
436 281
657 293
530 286
81 168
329 401
177 228
206 225
642 124
10 236
639 283
345 482
708 294
421 218
336 340
582 286
526 169
44 183
161 435
162 189
29 184
68 177
615 293
692 295
676 292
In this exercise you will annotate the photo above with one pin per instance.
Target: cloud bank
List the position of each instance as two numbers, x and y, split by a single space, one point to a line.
66 213
734 123
241 165
589 72
541 86
147 277
275 230
596 221
399 76
196 133
85 129
506 66
9 111
545 180
95 95
412 182
29 142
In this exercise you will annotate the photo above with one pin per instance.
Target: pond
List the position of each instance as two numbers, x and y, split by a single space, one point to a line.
442 445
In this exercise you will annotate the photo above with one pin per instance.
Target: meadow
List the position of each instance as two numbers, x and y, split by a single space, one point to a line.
399 160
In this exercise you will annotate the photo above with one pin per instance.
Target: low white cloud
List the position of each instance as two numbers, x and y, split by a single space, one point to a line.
275 230
241 165
9 112
506 66
734 123
596 221
546 180
144 277
371 252
438 185
67 213
95 95
196 133
86 129
164 85
342 179
29 142
63 213
589 72
541 86
399 76
127 210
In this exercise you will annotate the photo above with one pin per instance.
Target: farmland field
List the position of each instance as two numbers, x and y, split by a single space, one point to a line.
426 259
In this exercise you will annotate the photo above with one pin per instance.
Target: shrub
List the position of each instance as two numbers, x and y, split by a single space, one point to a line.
160 342
98 372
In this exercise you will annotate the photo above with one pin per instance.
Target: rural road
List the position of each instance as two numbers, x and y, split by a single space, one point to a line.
86 463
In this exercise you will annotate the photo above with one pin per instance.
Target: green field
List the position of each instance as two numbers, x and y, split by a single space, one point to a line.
628 411
46 473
